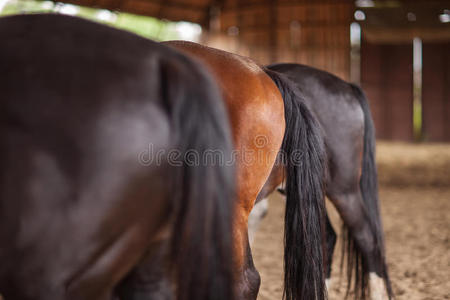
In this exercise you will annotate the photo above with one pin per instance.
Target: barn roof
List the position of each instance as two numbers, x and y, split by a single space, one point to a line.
380 12
196 11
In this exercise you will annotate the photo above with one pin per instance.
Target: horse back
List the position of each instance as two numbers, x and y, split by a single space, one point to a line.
330 98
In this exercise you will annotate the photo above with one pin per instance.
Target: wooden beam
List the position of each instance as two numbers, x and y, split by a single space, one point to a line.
273 29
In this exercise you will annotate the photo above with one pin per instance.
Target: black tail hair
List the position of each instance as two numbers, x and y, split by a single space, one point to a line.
304 157
369 189
203 193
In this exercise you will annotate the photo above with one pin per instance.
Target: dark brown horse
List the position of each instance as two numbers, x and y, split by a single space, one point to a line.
267 118
347 127
82 211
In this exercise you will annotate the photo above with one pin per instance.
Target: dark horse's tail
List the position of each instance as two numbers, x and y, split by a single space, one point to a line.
203 191
304 156
369 189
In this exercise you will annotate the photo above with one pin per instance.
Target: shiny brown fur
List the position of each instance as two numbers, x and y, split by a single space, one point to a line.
256 111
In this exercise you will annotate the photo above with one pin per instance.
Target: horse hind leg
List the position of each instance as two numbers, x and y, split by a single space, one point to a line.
247 277
351 208
252 278
149 279
330 245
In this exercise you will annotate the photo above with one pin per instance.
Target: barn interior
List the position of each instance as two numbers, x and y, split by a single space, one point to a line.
398 51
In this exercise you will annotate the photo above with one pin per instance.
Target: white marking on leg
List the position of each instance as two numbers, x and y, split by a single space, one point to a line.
256 215
282 186
328 283
377 287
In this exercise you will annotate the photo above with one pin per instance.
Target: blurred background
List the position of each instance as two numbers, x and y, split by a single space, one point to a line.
397 50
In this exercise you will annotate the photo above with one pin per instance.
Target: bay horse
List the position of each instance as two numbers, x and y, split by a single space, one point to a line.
346 124
267 119
81 212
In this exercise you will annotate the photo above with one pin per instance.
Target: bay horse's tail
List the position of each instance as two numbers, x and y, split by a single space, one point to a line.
369 190
304 157
203 190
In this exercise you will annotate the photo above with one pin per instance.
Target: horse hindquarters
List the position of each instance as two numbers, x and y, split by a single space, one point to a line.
79 238
353 190
344 114
375 262
199 250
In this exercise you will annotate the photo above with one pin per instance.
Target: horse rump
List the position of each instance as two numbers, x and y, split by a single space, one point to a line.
82 93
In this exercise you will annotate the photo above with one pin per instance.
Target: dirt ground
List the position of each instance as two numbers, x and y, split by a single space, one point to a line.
416 217
407 164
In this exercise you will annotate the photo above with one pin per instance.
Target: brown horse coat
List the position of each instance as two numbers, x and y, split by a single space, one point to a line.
256 111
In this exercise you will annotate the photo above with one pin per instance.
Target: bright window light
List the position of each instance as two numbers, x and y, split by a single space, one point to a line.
360 15
3 4
68 9
47 5
355 34
188 31
364 3
444 18
417 88
106 15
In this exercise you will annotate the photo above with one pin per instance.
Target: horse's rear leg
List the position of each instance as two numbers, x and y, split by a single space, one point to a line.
331 243
147 282
248 278
149 279
351 208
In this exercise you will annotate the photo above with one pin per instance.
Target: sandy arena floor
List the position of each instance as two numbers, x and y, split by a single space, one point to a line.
416 222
